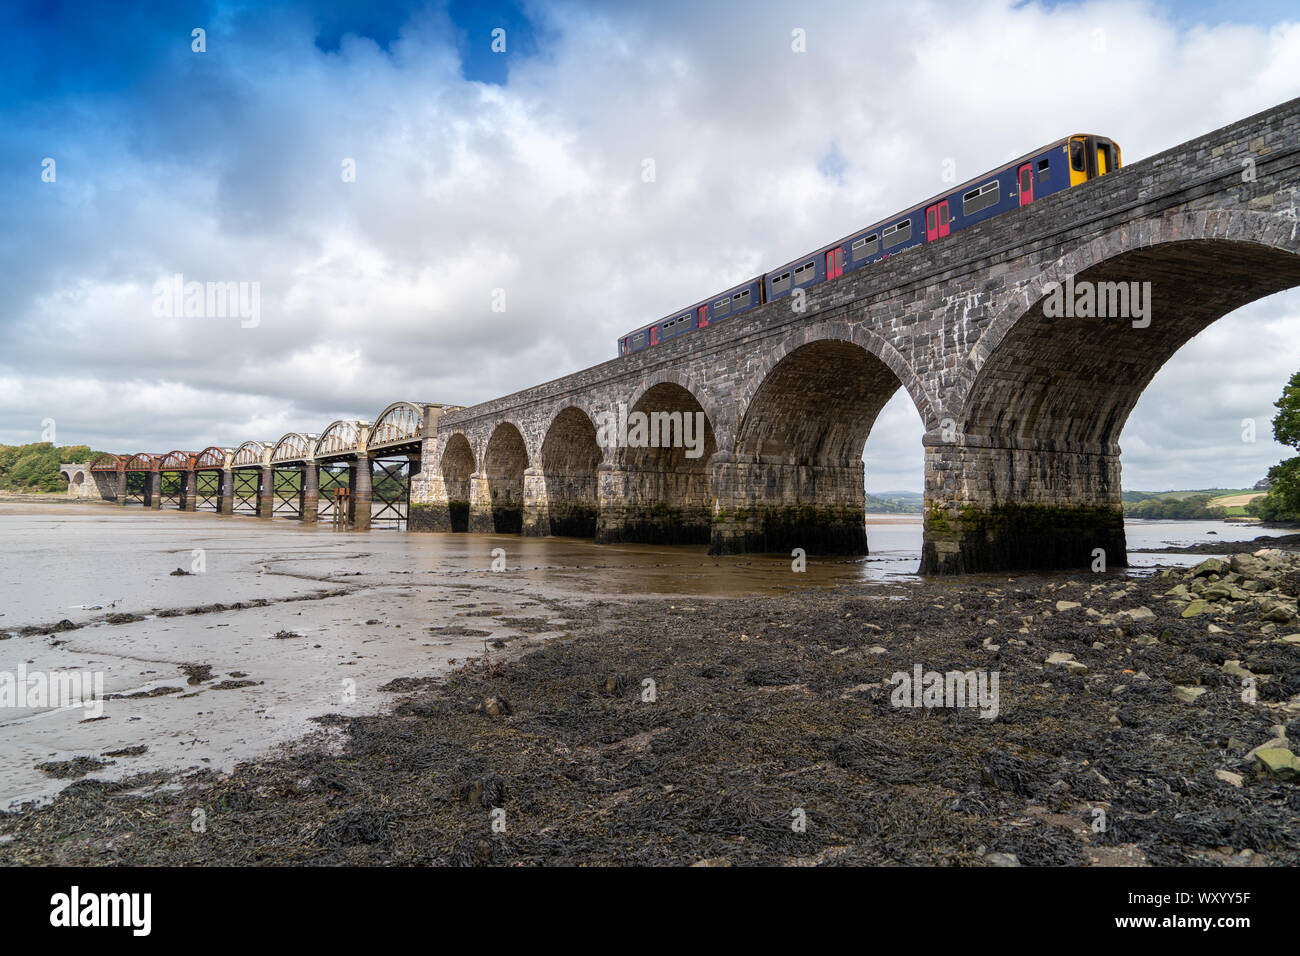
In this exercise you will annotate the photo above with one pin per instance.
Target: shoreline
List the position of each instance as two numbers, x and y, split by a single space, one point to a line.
764 706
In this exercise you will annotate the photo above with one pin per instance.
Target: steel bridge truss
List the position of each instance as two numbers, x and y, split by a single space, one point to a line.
246 487
390 492
334 485
286 491
207 491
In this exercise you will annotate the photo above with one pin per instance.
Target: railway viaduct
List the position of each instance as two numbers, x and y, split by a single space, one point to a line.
1022 405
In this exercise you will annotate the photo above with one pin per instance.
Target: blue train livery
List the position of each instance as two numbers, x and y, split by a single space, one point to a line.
1068 162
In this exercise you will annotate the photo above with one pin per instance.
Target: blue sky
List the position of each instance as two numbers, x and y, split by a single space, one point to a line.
477 170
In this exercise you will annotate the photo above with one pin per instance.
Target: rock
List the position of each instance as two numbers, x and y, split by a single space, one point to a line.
1276 742
1277 763
1215 629
877 650
1209 566
1188 695
1227 776
1193 609
1062 659
1138 614
495 707
1246 565
1224 592
1145 640
1280 612
1179 593
1001 859
1235 669
1289 639
1067 605
713 861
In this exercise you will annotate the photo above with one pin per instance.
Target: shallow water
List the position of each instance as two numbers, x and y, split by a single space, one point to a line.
82 562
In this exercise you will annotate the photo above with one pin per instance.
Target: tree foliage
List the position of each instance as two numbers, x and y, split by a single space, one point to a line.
35 467
1191 507
1282 503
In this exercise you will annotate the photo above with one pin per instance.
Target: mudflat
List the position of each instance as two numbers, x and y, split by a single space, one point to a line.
1138 720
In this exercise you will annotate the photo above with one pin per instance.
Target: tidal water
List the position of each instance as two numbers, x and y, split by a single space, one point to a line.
328 618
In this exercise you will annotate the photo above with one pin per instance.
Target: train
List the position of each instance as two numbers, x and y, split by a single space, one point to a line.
1058 166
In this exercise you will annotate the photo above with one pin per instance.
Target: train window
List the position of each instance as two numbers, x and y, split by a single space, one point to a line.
1076 155
898 232
740 300
781 283
722 307
805 273
866 246
981 198
1043 167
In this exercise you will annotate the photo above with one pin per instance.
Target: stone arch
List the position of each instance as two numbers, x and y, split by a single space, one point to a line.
504 462
1069 384
1043 397
796 477
879 349
570 459
720 420
457 466
660 487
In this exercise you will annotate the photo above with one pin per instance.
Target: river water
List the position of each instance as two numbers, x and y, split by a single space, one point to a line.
411 605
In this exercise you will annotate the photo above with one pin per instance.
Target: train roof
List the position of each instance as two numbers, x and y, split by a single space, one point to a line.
740 287
879 224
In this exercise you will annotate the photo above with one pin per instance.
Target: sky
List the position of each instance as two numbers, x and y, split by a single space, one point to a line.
385 177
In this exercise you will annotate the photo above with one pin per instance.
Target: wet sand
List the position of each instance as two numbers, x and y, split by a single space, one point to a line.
362 607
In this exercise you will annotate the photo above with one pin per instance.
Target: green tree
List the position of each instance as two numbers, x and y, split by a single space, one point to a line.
1282 503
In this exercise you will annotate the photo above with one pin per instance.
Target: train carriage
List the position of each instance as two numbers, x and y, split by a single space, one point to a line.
1070 161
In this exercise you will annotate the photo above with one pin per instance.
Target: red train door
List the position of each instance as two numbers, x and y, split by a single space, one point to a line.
936 221
1026 184
654 335
703 316
835 263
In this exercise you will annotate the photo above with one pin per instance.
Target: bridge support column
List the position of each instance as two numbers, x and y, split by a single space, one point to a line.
309 495
430 508
777 506
189 491
226 493
536 520
121 487
266 492
1020 509
652 507
153 491
480 505
359 501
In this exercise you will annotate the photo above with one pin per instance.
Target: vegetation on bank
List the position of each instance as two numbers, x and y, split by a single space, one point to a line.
35 467
1189 507
1282 503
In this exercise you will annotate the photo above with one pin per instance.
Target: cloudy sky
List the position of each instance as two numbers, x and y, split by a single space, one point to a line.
522 170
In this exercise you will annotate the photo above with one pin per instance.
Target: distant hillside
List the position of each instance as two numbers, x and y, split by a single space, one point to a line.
1204 503
35 467
896 502
1179 495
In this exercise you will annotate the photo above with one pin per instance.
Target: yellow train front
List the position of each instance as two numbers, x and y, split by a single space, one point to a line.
1068 162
